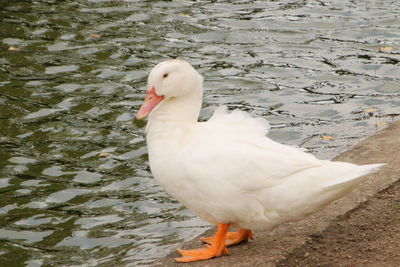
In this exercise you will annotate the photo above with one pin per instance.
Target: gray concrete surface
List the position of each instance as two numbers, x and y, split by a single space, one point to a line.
268 248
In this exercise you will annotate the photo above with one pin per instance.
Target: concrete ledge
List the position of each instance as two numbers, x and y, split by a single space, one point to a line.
269 248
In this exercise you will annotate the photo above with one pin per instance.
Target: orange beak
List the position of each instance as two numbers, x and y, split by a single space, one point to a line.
150 102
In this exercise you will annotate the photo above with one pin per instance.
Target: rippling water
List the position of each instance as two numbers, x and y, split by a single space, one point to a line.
75 186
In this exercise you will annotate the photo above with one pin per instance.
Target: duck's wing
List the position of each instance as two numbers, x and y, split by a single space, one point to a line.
231 148
239 121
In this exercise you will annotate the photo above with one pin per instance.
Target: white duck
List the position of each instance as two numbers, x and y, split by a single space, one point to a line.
226 170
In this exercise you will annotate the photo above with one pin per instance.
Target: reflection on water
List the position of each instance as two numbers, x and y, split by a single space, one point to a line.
74 181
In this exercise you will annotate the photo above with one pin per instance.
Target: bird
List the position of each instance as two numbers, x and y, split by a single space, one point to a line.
226 170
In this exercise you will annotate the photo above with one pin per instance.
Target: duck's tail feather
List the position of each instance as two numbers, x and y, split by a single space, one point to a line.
355 173
314 188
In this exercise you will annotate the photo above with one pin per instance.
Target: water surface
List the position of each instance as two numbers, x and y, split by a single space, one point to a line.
75 185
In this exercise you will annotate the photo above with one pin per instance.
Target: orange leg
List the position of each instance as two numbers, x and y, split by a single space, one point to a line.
215 249
233 238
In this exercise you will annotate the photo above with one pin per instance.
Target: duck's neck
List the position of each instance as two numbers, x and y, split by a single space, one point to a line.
174 113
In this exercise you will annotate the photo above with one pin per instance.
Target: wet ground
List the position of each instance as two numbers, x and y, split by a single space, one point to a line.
74 181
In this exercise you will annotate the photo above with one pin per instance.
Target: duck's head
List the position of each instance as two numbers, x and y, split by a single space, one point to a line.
169 79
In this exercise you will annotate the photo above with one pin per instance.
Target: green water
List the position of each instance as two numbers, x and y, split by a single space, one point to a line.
74 182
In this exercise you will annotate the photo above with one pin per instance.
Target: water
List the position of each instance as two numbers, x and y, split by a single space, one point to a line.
76 189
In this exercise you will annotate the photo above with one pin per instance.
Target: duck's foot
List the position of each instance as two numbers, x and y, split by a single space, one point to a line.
200 254
216 249
232 238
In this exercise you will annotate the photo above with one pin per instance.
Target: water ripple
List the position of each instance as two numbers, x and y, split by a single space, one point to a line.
74 177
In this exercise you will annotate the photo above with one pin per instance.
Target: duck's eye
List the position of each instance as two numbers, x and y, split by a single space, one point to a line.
165 75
